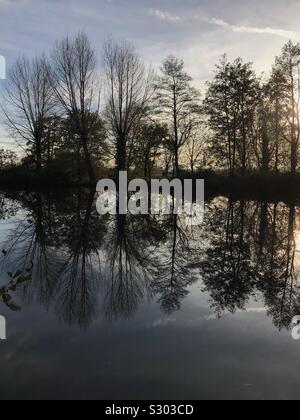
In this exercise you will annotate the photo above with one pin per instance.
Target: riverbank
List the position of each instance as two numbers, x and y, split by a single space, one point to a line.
267 187
22 179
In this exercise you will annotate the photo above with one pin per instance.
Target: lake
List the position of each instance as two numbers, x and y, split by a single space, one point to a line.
142 307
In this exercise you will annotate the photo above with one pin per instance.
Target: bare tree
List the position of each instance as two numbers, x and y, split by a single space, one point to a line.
276 88
76 88
288 66
128 94
148 147
28 104
195 148
178 104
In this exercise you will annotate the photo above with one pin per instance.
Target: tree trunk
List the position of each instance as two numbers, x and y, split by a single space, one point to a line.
234 152
294 160
177 169
277 137
176 145
265 147
293 130
88 161
192 168
38 157
244 146
121 155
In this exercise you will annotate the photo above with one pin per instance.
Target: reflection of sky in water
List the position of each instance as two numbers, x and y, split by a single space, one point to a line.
192 353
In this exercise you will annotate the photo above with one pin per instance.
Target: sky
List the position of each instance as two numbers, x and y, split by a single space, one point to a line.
198 31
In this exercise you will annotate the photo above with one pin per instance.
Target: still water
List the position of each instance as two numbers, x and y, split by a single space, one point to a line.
133 307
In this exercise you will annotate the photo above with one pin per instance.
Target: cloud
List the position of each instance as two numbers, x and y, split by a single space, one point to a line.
172 18
165 16
253 30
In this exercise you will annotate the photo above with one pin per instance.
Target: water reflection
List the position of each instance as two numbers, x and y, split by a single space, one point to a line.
252 251
58 252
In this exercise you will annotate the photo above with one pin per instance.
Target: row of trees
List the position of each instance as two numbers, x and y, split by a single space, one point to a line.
54 108
63 112
256 121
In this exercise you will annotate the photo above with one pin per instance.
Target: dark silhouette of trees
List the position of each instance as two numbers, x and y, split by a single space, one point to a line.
77 90
227 271
28 105
150 140
54 254
128 90
223 115
275 260
61 255
8 159
30 246
288 66
173 272
146 122
178 104
230 104
131 242
65 146
252 253
263 149
256 124
274 93
196 148
80 274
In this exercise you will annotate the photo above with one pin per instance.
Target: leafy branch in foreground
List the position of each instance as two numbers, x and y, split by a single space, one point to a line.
16 279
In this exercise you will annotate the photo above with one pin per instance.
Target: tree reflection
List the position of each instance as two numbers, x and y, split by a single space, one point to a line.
62 246
30 245
80 271
59 252
173 272
131 243
227 271
253 252
8 208
277 264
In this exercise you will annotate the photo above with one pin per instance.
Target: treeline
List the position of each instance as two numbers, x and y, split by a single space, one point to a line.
255 121
68 117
